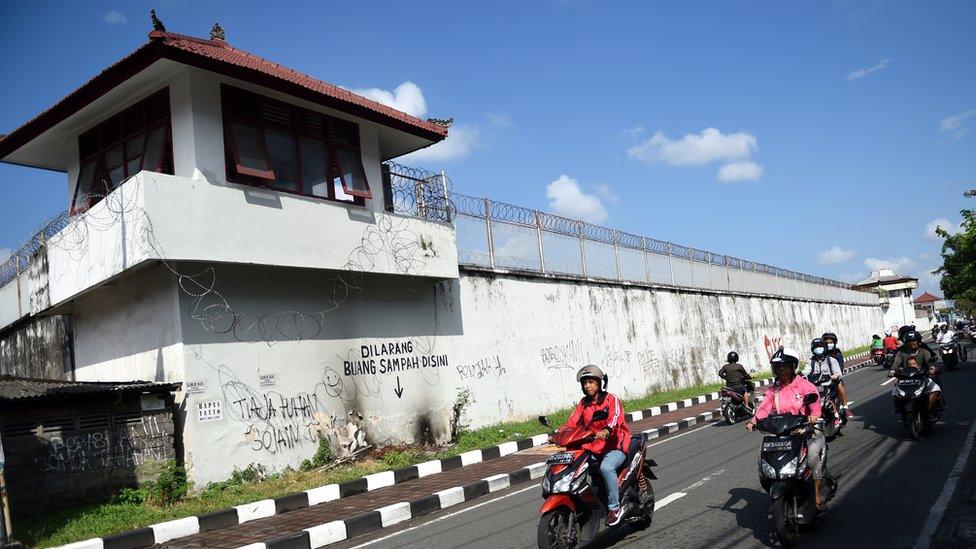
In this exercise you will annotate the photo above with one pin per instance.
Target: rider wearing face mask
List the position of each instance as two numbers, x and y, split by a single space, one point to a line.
821 363
611 435
785 396
830 349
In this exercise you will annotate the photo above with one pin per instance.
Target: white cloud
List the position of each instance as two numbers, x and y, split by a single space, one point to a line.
928 280
407 97
694 149
607 193
949 226
521 245
861 73
5 254
954 125
740 170
499 119
631 134
460 141
567 199
834 255
734 150
113 17
897 264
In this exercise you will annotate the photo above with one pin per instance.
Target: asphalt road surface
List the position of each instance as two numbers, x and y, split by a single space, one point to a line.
708 491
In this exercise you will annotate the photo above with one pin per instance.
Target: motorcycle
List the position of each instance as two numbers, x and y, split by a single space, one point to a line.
948 353
734 405
784 474
575 498
889 358
911 402
833 419
878 355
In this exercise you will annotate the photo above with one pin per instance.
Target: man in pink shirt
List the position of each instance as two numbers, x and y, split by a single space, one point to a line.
785 396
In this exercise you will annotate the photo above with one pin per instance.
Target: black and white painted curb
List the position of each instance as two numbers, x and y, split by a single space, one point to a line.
240 514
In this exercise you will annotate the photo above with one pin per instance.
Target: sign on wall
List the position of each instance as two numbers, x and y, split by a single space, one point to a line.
209 411
195 387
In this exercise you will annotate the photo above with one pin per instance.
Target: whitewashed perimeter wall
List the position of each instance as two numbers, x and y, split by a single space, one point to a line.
262 385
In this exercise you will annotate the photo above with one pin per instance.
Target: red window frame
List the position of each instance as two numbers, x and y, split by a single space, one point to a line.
100 173
332 171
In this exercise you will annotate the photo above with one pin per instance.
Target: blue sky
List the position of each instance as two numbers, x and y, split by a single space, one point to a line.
818 136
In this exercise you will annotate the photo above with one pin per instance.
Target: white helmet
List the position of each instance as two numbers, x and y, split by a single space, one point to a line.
785 356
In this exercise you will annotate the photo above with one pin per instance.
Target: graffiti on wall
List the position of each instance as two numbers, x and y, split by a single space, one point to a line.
487 368
771 345
124 446
569 355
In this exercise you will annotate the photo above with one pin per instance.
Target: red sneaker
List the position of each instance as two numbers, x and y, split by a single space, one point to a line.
615 516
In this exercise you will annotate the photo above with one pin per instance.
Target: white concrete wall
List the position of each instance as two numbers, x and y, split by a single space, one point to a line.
156 216
900 311
514 342
10 312
131 331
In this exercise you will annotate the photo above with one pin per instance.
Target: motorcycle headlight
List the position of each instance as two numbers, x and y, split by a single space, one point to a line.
570 481
545 484
789 469
899 392
767 470
563 484
918 392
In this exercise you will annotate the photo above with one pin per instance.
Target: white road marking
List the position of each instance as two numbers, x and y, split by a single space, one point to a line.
718 473
887 382
941 504
447 516
668 499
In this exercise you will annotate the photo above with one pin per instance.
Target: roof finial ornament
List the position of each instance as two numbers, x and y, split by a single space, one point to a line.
217 32
157 24
442 122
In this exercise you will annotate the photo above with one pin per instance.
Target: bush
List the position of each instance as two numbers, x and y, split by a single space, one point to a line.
323 455
397 459
252 473
169 487
130 496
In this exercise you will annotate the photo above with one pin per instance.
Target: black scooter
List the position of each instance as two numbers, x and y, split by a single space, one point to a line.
833 419
911 402
784 474
734 407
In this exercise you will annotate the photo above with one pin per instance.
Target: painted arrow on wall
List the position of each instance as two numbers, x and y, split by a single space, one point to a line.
398 390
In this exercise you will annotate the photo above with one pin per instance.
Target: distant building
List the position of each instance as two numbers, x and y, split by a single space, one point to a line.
926 305
894 295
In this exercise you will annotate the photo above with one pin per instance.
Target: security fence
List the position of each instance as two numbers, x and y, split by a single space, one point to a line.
20 258
497 235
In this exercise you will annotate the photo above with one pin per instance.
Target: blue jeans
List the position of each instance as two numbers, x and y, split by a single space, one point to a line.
608 470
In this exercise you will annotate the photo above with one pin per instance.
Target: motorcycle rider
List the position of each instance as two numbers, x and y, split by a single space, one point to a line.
737 378
785 396
830 342
876 342
821 363
611 439
890 342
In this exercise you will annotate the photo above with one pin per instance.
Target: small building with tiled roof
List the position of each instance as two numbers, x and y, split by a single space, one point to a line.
223 213
926 298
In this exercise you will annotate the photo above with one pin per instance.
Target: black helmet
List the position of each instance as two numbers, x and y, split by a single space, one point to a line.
732 357
912 335
904 330
817 342
829 335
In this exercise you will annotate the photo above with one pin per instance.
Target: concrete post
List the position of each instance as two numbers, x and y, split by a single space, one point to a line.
671 263
491 242
647 263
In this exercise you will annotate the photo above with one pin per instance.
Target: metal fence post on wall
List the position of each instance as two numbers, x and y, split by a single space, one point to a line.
491 242
538 237
582 248
647 262
671 262
614 235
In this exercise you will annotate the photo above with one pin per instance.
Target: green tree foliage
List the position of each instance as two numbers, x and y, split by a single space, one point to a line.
959 262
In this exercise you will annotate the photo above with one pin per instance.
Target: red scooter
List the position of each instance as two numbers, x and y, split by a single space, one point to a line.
575 499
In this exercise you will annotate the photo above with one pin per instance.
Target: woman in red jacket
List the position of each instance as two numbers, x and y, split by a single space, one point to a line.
612 436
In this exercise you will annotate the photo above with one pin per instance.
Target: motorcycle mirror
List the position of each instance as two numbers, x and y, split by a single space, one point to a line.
810 398
601 415
544 421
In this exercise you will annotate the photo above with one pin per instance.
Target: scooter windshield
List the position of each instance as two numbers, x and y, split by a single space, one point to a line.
781 424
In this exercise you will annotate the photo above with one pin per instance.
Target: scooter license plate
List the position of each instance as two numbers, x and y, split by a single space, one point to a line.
777 445
560 458
909 384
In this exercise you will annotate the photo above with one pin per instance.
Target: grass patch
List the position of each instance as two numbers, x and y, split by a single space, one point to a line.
128 512
850 352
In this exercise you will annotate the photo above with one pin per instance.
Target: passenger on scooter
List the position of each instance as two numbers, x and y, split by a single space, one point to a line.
830 342
912 348
737 378
820 363
611 435
946 335
785 396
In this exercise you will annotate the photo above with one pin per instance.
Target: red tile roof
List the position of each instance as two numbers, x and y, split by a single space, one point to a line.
218 56
926 298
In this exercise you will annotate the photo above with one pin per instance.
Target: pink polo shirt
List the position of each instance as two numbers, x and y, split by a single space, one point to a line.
789 399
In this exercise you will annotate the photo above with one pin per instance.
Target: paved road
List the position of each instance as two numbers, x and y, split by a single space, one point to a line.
888 486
